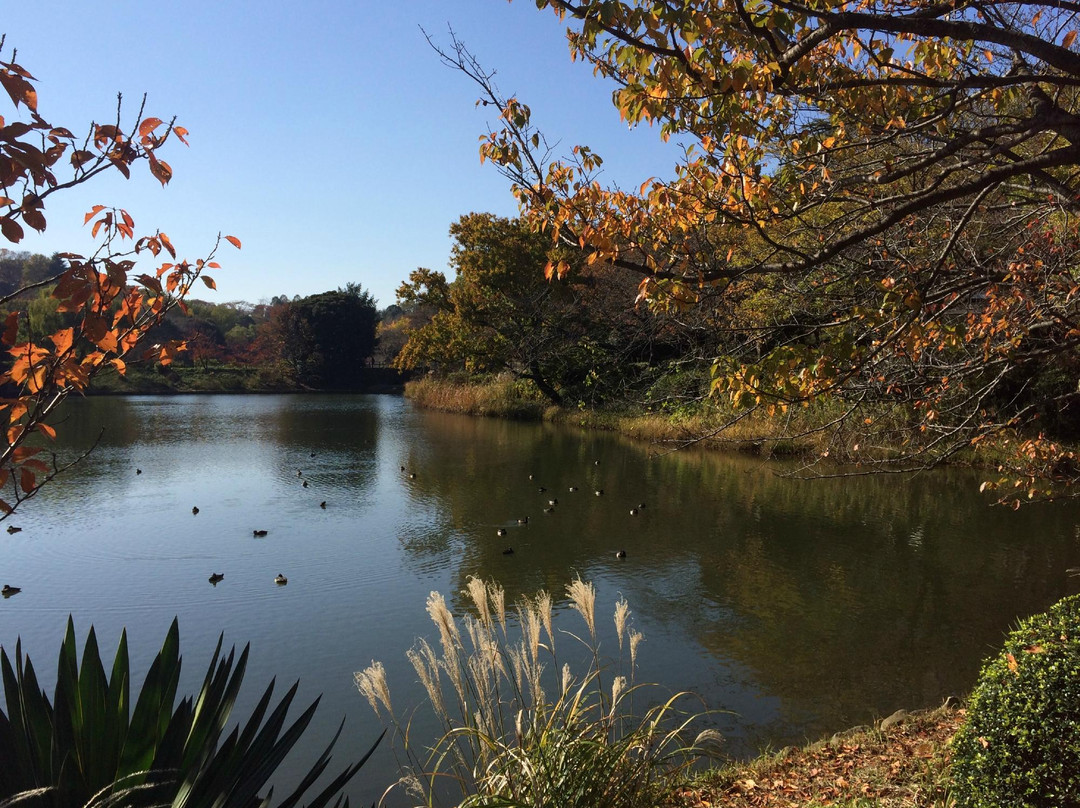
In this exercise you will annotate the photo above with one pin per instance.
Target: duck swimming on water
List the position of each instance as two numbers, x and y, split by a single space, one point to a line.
216 576
280 580
9 590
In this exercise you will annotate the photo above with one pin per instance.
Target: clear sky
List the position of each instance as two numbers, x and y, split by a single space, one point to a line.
325 134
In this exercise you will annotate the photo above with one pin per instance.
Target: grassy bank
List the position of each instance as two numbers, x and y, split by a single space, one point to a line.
220 378
816 431
506 397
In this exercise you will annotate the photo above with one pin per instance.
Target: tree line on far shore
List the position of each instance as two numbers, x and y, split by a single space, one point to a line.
322 341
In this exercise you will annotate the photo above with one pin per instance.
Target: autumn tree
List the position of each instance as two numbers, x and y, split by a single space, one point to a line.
102 307
902 174
499 313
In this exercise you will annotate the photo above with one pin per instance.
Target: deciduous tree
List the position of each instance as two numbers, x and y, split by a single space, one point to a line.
900 175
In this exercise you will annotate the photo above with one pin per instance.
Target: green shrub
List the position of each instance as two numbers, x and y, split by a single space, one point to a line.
1020 745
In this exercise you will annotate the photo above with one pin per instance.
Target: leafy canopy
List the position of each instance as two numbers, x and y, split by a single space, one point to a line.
904 171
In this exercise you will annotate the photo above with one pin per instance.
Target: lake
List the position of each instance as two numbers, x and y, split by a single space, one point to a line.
801 607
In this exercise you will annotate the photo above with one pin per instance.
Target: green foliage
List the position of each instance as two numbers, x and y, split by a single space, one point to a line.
89 747
328 338
506 742
1021 743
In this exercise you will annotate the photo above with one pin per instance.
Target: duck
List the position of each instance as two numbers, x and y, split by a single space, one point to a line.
523 520
633 511
259 533
549 510
573 488
508 551
9 590
138 471
323 504
299 473
599 492
412 476
195 511
532 476
305 484
553 502
501 531
541 489
13 529
280 580
620 554
216 576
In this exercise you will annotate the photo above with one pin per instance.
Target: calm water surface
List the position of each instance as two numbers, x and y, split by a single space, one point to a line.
802 608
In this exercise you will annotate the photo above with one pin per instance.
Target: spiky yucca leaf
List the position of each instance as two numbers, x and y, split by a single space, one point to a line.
83 751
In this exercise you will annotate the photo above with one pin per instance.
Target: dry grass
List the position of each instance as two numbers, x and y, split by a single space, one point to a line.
903 767
519 726
501 396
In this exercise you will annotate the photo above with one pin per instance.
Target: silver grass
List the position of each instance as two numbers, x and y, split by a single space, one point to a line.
622 612
583 600
618 685
543 609
635 640
477 590
498 602
444 621
426 666
372 684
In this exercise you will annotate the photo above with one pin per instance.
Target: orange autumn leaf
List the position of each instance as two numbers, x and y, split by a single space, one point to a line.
63 340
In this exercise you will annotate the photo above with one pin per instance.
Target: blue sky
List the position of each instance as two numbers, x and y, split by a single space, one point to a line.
325 135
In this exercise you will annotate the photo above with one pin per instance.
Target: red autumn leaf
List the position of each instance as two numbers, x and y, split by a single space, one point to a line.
34 219
168 244
149 125
27 480
233 240
11 229
160 169
180 133
45 429
19 89
11 328
209 281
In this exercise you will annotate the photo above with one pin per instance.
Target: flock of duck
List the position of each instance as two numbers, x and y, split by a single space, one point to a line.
216 577
258 533
549 509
